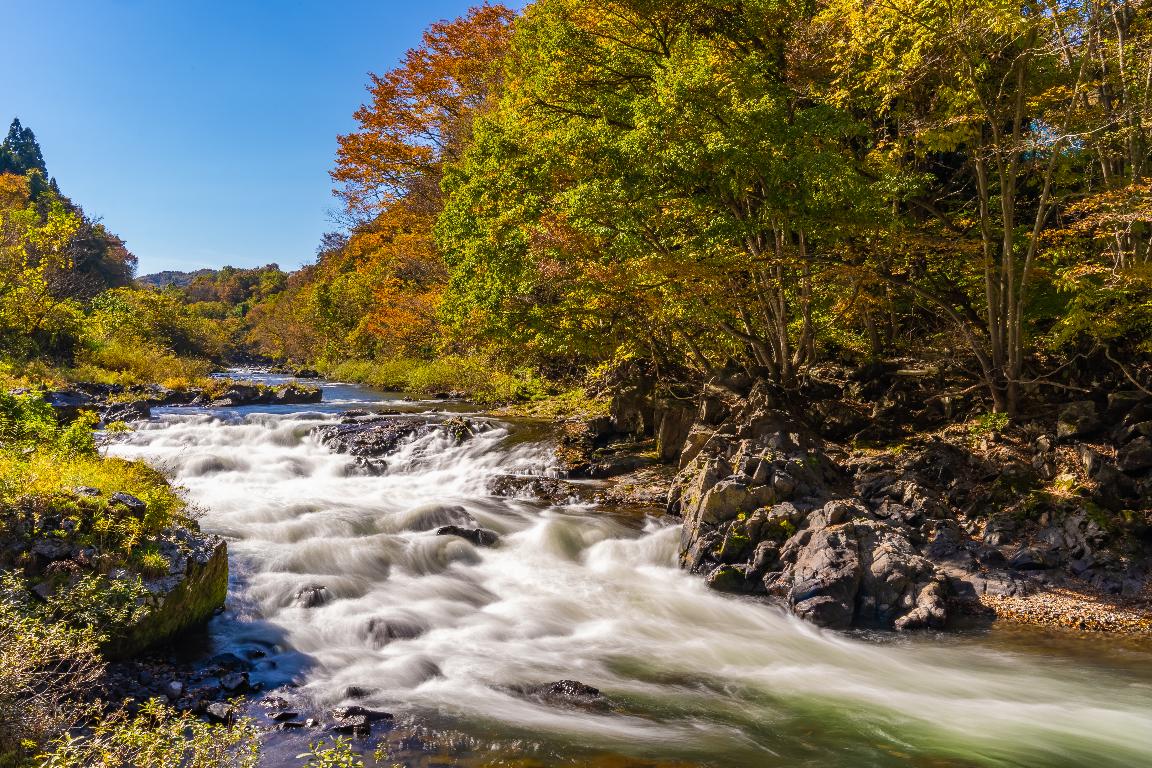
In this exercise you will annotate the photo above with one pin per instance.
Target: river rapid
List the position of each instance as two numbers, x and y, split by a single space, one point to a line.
446 635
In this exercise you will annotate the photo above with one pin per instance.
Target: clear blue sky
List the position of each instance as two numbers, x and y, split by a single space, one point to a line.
202 131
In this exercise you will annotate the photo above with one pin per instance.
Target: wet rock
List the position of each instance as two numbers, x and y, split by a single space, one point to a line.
729 578
229 661
311 596
355 710
235 682
547 489
570 693
357 692
383 631
383 437
283 715
481 537
358 725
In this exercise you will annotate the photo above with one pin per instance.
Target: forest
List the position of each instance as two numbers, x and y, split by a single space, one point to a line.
541 208
756 185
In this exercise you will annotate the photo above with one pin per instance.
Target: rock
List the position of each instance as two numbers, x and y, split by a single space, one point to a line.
354 724
235 682
674 422
999 530
1135 457
136 410
45 551
173 689
283 715
481 537
1030 559
357 692
382 437
68 404
356 710
186 597
728 578
571 693
229 661
311 596
826 578
135 506
1078 419
294 394
220 712
547 489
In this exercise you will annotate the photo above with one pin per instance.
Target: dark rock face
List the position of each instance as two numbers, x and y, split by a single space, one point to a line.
893 538
766 511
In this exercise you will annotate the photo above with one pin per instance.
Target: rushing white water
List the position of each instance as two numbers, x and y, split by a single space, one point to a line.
428 623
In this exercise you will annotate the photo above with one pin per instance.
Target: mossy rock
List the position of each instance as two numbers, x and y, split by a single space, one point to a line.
182 600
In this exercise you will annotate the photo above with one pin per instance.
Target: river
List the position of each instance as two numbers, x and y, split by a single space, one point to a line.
447 636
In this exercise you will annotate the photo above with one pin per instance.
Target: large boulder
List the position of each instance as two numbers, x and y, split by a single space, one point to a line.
192 590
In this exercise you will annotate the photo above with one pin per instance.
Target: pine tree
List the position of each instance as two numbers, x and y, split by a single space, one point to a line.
20 152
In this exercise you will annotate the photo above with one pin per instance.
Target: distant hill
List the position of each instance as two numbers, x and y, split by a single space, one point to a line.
173 277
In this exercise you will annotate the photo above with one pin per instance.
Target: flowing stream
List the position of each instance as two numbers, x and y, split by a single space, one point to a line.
447 635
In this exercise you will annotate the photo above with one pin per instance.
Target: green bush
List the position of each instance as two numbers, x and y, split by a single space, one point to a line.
158 737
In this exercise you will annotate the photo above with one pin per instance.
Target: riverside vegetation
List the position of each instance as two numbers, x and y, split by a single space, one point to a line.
863 288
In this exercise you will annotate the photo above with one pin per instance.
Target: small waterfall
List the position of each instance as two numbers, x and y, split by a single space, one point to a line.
340 580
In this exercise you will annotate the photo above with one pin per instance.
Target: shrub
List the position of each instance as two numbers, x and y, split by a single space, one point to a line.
46 671
121 361
158 737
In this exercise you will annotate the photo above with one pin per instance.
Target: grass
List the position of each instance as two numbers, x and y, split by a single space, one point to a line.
482 380
119 362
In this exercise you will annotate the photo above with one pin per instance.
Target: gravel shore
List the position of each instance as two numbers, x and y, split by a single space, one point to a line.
1076 609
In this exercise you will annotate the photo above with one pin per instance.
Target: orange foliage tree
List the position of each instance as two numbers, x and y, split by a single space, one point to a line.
381 291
